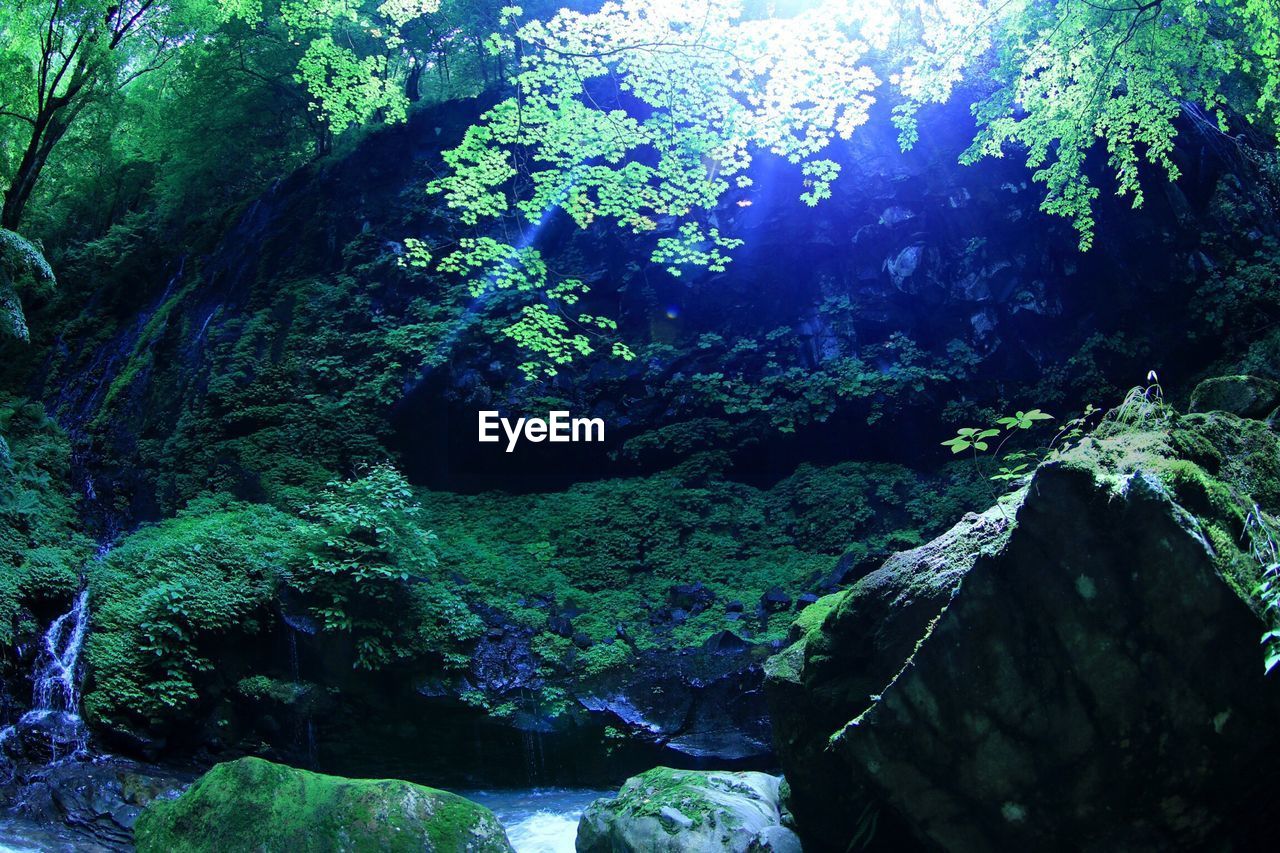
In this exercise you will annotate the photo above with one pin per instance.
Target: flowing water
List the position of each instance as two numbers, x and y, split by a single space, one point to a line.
539 820
57 685
55 702
21 835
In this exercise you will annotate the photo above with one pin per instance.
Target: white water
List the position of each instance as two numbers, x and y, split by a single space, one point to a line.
539 820
57 681
57 674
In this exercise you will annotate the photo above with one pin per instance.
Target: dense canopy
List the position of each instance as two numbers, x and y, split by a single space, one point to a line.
636 114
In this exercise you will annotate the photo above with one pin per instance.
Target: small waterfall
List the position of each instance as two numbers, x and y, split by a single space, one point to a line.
304 730
55 704
534 758
57 683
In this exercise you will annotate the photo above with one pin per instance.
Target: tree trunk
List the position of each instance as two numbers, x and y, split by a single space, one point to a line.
45 133
411 90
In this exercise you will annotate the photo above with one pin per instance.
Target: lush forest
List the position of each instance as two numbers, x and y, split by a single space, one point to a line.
933 346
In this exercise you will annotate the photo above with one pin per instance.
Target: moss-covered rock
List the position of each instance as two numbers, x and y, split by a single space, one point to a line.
251 804
1087 676
671 811
1246 396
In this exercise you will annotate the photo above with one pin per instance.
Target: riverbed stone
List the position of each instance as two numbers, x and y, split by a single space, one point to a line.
672 811
252 804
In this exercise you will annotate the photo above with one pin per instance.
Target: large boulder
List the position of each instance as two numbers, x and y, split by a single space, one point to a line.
1246 396
672 811
1085 677
251 804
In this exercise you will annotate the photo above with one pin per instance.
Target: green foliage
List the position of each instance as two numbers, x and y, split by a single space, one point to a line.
366 61
1142 403
41 545
1015 466
641 114
22 268
164 597
611 551
1071 75
349 65
751 380
1261 530
61 60
696 112
171 594
976 438
372 577
967 437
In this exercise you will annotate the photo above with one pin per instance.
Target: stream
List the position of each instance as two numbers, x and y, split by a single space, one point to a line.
21 835
539 820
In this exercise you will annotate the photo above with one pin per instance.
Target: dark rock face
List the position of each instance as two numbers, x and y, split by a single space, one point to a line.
702 704
1246 396
1088 678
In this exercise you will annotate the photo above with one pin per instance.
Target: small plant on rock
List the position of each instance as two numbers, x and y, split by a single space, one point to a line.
1143 403
1260 531
1013 466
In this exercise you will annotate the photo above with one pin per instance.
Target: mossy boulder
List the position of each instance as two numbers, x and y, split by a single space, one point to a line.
670 811
252 804
1246 396
1085 676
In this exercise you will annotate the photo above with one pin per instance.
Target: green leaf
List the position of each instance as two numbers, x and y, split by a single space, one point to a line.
1272 660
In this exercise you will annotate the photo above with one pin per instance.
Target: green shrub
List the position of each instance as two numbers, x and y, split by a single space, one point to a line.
42 547
164 594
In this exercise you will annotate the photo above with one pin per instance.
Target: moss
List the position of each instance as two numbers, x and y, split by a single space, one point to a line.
42 546
689 792
1215 465
261 687
251 804
812 617
161 595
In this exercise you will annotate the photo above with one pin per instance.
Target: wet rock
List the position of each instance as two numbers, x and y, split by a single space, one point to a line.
734 607
896 215
1087 679
725 642
705 703
694 597
251 804
805 600
775 600
582 640
902 267
1246 396
97 801
44 736
847 569
672 811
